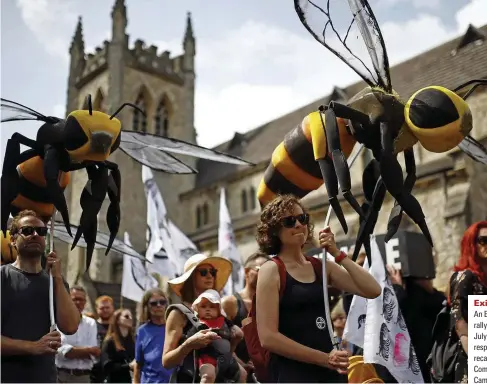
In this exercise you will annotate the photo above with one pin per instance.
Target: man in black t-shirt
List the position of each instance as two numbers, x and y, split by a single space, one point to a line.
28 344
104 310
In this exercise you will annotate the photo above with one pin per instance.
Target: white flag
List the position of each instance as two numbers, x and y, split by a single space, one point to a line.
160 250
135 279
184 246
385 336
227 247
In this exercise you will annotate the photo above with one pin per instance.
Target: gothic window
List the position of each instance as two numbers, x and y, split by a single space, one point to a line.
139 121
252 198
162 119
198 216
243 196
205 213
99 102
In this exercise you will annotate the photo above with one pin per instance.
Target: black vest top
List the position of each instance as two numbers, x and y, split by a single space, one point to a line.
302 318
241 349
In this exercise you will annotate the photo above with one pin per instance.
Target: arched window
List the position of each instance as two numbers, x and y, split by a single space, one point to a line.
162 119
198 216
252 198
244 200
139 121
205 213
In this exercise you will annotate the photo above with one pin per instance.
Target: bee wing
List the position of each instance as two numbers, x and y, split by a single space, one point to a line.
343 39
160 143
13 111
155 159
474 149
102 240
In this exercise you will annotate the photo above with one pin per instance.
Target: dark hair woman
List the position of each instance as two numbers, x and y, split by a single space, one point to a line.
118 349
292 328
149 341
200 273
470 278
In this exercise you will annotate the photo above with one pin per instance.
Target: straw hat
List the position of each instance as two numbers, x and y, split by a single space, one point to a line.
222 265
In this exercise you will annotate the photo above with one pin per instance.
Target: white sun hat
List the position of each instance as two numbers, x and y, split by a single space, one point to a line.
211 295
222 265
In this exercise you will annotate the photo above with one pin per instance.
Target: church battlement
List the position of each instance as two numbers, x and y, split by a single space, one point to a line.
95 61
146 58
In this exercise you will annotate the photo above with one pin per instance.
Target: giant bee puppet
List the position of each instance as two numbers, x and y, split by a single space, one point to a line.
316 150
36 178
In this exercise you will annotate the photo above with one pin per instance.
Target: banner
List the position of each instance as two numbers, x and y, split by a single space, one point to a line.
160 250
227 247
378 327
135 279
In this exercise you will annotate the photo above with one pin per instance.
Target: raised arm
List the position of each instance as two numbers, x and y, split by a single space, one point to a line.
352 277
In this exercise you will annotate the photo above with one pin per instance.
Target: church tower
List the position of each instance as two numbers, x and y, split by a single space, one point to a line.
162 86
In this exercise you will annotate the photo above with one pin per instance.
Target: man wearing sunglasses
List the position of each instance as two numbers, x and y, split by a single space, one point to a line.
28 343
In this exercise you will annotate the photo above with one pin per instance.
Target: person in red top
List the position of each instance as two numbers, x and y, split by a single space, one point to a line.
217 358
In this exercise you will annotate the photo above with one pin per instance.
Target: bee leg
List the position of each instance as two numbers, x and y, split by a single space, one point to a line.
392 175
331 184
10 176
339 161
91 201
371 179
56 193
396 212
113 213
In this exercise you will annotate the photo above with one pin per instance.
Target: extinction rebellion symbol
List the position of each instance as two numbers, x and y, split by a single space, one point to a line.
320 323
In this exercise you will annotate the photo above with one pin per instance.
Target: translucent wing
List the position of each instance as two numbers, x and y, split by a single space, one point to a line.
13 111
155 143
155 159
474 149
102 239
342 37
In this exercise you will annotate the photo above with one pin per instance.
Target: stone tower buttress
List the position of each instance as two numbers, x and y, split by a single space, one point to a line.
76 67
189 46
116 55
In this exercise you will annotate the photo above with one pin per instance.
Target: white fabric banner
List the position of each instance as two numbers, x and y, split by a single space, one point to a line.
227 247
385 336
135 279
160 250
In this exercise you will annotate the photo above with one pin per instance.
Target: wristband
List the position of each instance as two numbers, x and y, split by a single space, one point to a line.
340 257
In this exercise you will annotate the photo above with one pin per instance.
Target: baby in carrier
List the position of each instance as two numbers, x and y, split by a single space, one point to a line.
216 360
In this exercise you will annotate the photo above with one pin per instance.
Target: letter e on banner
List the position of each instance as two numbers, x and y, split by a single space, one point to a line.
393 257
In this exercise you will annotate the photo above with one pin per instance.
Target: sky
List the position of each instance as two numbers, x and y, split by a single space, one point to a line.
255 61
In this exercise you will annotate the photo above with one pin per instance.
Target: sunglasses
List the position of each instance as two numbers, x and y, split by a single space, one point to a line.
126 317
290 221
155 303
203 272
482 240
29 231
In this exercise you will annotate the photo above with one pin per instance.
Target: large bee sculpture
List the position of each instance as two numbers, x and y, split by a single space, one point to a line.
36 178
316 151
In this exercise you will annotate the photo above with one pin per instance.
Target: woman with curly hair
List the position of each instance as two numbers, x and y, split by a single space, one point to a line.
469 278
293 328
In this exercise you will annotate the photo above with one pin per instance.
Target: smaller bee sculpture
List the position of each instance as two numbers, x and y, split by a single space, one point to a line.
36 178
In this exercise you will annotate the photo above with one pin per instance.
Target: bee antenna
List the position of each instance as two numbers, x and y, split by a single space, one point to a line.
477 82
123 105
90 106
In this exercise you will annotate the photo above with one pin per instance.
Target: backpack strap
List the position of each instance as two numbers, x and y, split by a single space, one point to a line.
282 275
186 312
317 265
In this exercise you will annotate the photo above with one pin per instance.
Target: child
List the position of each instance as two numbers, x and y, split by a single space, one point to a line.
217 358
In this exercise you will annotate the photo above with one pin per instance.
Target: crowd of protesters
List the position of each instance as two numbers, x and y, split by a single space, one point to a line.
164 345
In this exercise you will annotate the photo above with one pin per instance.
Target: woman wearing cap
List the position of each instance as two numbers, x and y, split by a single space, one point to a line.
200 273
293 327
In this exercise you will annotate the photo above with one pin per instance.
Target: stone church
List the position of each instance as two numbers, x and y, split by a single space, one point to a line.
451 188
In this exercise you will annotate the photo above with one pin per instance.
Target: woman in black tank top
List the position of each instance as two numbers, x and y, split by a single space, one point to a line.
294 328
